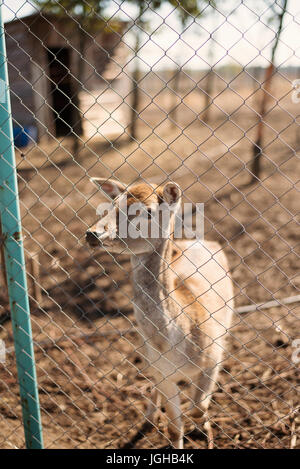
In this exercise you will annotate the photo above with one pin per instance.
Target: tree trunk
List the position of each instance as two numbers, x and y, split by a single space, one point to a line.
257 146
256 161
174 105
135 104
209 83
77 125
208 92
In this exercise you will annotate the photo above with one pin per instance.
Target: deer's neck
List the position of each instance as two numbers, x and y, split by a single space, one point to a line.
153 281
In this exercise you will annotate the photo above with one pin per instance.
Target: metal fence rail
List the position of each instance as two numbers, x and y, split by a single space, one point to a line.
197 93
13 258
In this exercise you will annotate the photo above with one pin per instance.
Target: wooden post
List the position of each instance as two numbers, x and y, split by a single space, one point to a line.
34 274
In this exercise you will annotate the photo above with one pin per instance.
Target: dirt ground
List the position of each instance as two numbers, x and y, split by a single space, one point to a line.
92 391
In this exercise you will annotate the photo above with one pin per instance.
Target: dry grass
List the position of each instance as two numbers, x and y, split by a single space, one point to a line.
90 390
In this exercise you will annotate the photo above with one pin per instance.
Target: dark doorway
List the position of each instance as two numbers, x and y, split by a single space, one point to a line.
64 100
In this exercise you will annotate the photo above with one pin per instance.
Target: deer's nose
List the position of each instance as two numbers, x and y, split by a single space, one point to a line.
92 238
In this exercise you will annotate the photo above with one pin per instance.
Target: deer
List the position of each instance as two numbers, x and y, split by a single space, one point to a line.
182 297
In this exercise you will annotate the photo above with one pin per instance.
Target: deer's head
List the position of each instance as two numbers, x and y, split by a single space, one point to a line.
136 219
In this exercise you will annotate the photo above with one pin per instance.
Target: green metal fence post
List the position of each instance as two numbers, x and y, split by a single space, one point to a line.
15 263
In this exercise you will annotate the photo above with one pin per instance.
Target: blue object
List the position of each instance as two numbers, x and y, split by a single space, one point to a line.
21 138
15 264
24 135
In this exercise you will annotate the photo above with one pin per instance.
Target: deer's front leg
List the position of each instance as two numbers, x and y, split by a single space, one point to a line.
154 404
171 398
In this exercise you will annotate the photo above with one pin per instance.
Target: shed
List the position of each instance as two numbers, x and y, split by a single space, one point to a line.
64 79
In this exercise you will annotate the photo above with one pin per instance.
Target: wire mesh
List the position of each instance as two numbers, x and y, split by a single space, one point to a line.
199 93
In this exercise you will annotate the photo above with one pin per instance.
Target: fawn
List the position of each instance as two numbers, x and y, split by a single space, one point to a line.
183 298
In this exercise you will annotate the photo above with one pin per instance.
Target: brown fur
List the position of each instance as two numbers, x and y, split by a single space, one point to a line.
191 306
145 193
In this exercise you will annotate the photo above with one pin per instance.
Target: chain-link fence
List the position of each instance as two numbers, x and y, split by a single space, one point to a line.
203 94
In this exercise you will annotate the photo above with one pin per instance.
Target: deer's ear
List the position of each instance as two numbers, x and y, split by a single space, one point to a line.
110 187
171 193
